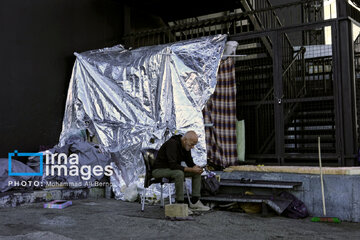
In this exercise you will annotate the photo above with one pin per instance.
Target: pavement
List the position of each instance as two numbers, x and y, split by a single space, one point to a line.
113 219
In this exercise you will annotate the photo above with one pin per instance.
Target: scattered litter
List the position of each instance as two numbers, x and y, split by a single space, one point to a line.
58 204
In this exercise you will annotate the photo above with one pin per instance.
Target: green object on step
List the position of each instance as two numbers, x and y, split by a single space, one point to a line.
240 139
326 219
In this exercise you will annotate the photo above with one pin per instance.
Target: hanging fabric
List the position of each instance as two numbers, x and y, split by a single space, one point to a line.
220 118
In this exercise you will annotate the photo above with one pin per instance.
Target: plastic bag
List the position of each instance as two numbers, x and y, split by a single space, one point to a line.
296 208
209 184
131 193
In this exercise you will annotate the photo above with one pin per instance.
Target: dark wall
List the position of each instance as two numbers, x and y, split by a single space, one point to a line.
37 40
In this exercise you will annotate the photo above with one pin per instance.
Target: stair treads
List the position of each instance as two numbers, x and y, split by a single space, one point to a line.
308 140
318 123
252 57
314 115
310 150
248 46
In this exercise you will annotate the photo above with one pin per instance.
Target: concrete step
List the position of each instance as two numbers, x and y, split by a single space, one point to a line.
258 183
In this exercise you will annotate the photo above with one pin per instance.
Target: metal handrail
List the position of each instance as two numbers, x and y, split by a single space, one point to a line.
271 90
302 50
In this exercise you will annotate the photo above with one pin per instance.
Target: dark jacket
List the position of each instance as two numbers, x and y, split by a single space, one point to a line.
172 153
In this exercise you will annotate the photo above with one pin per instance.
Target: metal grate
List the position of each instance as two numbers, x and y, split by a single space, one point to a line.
309 105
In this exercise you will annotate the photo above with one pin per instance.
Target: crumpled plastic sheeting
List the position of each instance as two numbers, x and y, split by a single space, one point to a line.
16 167
132 99
89 154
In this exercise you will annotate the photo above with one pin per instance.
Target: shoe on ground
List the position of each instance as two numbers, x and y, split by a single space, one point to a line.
198 206
190 212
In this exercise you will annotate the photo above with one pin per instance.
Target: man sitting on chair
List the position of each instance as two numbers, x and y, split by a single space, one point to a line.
168 164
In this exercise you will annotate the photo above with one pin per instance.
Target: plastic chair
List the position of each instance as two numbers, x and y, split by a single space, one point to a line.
149 156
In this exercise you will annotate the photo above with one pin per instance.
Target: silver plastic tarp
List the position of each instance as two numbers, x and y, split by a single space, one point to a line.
139 98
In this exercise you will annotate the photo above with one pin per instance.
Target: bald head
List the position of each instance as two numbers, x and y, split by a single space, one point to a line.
191 135
189 140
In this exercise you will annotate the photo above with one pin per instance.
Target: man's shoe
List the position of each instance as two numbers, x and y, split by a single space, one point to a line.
190 212
198 206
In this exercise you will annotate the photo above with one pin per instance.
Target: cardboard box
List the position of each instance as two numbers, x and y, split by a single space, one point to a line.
176 210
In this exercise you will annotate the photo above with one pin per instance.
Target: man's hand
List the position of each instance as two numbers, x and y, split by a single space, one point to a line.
195 169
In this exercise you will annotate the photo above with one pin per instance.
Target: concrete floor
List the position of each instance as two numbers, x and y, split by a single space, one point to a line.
112 219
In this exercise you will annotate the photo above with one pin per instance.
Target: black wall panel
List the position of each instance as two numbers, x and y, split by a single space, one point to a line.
37 42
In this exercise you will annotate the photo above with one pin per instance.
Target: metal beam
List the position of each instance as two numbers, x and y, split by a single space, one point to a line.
345 86
278 95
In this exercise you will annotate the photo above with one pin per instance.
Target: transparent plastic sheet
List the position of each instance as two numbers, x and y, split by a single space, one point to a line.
134 99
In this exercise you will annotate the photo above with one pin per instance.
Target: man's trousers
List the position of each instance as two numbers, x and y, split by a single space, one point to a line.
178 177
